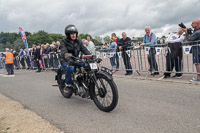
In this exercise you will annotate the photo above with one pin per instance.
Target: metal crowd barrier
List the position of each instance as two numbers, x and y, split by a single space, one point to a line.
47 62
139 58
2 63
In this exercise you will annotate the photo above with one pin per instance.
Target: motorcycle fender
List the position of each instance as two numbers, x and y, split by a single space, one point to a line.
59 71
100 73
103 73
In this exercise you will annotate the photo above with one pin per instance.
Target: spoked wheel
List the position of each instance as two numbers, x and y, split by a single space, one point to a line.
106 97
66 92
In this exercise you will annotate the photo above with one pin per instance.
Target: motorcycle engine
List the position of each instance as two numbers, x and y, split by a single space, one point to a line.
82 87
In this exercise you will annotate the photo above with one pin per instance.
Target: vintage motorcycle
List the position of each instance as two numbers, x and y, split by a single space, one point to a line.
89 81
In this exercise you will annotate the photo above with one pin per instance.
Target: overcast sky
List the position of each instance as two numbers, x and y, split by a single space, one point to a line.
98 17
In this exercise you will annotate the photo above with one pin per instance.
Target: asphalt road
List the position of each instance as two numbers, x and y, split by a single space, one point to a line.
144 106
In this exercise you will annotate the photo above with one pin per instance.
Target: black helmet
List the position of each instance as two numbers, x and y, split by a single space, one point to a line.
71 29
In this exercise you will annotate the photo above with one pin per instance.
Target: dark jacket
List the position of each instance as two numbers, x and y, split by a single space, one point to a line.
15 54
57 49
175 49
47 50
37 54
124 43
74 48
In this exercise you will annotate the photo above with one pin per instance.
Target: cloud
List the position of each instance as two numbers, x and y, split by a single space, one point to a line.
96 17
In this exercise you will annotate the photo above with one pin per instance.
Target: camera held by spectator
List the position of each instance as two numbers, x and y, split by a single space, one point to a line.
189 30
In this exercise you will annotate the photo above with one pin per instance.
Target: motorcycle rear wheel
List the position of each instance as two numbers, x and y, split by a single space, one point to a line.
67 93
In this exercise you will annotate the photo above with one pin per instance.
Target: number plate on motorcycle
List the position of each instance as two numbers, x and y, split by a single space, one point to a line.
93 66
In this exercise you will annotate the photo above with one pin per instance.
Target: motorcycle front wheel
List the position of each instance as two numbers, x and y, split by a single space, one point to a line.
106 97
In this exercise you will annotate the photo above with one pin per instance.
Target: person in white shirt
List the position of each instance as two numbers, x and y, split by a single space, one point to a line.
90 45
88 39
174 54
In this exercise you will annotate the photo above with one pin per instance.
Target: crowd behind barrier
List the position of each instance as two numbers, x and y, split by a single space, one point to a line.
138 59
47 62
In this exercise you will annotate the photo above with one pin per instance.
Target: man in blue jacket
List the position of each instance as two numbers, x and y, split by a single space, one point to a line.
21 55
150 40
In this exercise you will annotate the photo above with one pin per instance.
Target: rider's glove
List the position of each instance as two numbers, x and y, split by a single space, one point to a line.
67 56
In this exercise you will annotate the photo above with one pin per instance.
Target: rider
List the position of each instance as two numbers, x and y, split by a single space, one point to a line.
71 46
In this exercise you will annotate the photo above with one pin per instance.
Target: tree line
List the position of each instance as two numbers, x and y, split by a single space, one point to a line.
14 40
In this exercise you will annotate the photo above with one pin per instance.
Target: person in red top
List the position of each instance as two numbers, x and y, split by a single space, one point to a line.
9 62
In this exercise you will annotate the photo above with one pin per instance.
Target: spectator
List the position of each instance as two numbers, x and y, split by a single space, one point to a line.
158 41
37 58
112 49
174 53
45 57
124 43
89 41
58 48
117 57
42 56
31 56
150 40
195 49
27 57
53 43
83 41
9 62
1 61
16 61
163 41
47 48
89 46
51 52
21 56
11 50
34 61
105 46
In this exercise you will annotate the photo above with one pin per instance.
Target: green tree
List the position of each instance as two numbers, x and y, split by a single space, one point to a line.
7 40
8 37
81 36
107 39
84 36
56 37
98 40
27 33
140 39
40 37
17 43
